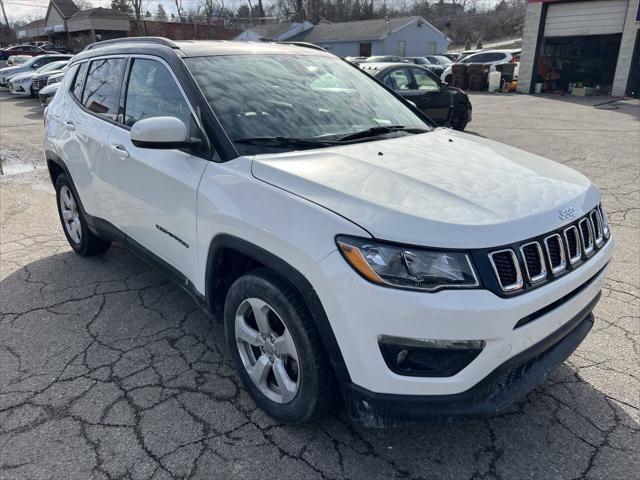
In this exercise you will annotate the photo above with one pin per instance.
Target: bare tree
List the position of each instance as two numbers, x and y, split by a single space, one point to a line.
178 4
137 8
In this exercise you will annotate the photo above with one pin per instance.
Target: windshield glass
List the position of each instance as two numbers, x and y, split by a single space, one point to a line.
51 66
444 60
295 96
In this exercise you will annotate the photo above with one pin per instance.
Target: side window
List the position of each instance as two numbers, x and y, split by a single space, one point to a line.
152 92
102 88
399 79
424 81
78 81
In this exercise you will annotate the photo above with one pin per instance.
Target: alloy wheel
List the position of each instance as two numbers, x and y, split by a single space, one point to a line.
267 350
70 214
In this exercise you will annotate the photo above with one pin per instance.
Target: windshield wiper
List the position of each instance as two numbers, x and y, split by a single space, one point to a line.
381 130
285 142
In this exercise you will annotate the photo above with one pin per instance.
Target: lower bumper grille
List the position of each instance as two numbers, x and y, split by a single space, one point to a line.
428 358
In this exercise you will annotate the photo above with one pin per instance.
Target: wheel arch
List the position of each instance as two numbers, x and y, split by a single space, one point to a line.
216 287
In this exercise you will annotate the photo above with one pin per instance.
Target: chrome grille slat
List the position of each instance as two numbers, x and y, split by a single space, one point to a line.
561 265
573 247
586 236
536 261
596 222
501 265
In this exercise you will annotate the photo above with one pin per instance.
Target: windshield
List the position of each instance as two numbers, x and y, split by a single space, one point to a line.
442 60
51 66
295 97
30 62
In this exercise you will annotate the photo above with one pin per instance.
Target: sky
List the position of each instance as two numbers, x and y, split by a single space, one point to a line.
35 9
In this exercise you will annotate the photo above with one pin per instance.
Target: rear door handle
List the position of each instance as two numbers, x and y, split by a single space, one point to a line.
119 150
70 126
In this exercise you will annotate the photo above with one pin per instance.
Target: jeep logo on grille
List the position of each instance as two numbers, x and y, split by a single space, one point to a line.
565 213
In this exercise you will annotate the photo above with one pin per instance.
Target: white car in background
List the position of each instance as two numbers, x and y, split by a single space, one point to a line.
21 84
47 92
485 57
30 65
16 60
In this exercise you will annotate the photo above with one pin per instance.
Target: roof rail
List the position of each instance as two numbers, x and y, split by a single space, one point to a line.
156 40
303 44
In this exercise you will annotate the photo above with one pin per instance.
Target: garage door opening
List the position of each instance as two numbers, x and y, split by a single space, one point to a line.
586 64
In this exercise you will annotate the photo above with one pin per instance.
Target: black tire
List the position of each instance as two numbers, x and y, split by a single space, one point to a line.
458 118
317 387
448 79
89 244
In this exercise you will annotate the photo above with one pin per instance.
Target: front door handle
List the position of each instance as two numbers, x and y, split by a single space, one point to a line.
70 126
119 150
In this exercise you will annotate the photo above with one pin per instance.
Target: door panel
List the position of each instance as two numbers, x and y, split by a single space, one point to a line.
432 99
84 137
156 189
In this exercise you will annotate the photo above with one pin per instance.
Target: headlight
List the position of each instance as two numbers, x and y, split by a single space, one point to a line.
19 81
408 267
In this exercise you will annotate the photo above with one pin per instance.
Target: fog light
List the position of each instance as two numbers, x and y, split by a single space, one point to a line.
402 356
428 358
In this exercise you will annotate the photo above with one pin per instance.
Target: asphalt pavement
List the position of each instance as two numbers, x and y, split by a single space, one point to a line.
109 371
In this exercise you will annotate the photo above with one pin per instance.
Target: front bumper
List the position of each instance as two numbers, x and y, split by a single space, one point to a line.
360 313
493 395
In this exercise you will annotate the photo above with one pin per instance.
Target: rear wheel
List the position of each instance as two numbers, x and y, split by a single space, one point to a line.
276 349
74 223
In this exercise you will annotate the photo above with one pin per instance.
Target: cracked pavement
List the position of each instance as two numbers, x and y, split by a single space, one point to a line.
109 371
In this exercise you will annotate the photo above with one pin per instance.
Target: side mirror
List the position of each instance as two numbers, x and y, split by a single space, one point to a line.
161 132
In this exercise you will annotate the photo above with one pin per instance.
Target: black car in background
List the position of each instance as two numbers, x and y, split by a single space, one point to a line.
425 62
41 80
447 106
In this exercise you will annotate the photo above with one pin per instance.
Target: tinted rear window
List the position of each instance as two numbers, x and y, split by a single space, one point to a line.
102 88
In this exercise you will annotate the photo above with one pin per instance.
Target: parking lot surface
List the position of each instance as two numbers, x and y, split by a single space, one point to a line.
109 371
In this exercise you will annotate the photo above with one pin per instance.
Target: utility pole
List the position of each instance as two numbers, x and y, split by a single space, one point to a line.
4 14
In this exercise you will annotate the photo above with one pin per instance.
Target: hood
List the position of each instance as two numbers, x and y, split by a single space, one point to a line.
49 74
440 189
9 71
22 76
49 89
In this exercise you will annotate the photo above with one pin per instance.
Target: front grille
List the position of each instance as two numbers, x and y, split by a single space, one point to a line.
543 258
507 269
38 83
534 262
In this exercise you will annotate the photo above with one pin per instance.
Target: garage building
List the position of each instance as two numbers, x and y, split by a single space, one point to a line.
590 47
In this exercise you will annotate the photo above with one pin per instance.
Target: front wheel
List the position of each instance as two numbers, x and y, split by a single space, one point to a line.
458 119
73 222
276 349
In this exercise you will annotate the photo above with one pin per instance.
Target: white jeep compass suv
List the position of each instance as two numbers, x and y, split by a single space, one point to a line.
349 246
